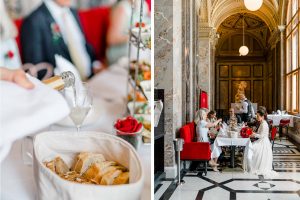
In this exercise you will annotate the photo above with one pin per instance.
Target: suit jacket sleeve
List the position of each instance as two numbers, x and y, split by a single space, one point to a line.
239 120
32 42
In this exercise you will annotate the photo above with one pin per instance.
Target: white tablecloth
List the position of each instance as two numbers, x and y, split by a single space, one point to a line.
276 119
17 181
227 141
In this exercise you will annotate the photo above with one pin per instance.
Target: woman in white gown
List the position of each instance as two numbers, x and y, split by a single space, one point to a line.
261 162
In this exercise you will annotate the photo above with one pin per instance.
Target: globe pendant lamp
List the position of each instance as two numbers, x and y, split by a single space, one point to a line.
243 49
253 5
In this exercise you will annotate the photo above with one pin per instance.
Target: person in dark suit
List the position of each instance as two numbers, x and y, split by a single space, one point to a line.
232 118
54 28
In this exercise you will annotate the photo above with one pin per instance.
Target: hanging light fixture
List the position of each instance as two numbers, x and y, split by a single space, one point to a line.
243 49
253 5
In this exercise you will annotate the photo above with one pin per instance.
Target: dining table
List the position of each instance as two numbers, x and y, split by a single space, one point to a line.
108 87
277 117
225 140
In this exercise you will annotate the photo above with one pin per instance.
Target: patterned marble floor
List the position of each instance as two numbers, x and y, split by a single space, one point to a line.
240 185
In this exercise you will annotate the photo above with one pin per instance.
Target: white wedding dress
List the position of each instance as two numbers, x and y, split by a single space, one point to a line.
261 163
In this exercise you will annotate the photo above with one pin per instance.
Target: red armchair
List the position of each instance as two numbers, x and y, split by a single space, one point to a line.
193 151
284 123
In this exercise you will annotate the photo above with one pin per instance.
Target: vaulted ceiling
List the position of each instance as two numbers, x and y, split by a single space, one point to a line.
253 25
224 17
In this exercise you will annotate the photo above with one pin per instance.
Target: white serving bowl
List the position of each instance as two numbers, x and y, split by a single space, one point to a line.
50 186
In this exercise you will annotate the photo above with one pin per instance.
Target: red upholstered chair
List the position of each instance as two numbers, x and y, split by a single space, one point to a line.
273 135
95 24
284 123
193 151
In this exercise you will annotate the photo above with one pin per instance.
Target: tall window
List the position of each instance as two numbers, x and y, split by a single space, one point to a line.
293 57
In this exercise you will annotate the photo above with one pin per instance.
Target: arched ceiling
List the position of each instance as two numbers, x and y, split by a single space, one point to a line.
238 21
214 12
253 25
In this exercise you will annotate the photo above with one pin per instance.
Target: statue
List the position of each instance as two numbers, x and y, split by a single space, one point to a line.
240 91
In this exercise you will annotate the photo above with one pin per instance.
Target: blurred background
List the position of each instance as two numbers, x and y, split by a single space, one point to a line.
21 8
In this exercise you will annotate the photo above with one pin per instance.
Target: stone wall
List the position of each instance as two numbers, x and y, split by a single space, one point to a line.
166 70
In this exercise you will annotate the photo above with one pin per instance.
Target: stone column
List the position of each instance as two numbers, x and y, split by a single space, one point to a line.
168 68
282 82
206 63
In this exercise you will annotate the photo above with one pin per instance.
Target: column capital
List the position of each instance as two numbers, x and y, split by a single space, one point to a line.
281 28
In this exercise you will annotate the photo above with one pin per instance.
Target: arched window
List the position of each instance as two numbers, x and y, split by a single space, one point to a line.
292 57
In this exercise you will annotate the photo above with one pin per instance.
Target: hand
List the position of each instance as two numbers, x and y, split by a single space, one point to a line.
98 67
16 76
253 135
212 135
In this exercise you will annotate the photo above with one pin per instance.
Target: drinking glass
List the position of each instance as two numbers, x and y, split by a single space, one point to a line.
80 101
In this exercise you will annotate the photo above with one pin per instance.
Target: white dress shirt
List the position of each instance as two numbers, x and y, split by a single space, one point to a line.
61 15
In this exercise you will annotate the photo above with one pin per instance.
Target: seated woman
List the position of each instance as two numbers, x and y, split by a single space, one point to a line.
261 162
9 53
212 118
118 31
202 132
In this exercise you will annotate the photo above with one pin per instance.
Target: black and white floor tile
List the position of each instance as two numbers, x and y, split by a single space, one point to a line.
240 185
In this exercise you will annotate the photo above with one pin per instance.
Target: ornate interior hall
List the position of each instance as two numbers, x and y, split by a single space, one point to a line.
199 63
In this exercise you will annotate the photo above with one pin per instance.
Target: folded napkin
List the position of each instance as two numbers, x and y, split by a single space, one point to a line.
23 112
128 126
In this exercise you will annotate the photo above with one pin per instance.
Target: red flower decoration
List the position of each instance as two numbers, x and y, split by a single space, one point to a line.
56 34
246 132
55 28
140 24
10 54
127 126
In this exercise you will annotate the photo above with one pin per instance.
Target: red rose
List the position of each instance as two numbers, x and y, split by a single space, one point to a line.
56 28
10 54
126 126
246 132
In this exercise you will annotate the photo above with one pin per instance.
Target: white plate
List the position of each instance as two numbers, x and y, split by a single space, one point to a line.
97 111
145 33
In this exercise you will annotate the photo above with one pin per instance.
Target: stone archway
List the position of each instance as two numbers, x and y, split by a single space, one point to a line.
212 14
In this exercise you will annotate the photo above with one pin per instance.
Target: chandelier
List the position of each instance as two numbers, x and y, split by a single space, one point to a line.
243 49
253 5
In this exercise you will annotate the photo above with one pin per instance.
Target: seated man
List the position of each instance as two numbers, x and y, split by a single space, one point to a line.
54 28
232 118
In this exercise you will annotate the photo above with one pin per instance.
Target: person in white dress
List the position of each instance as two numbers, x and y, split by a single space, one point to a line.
202 132
9 52
261 162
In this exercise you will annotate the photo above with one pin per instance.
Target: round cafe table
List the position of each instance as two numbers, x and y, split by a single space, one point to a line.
17 178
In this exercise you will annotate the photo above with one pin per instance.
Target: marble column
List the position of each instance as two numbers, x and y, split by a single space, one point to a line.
168 68
282 68
206 63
